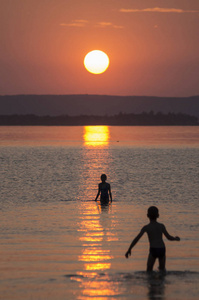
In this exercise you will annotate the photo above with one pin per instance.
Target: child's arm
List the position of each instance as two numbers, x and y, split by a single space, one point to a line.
97 193
134 242
110 193
168 236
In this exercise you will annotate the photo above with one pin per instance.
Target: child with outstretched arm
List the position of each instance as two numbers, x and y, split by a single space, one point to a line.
154 231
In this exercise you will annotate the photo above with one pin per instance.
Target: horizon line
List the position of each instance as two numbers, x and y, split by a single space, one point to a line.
102 95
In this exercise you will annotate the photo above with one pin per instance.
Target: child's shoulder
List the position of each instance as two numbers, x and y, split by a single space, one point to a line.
144 228
104 183
160 224
156 224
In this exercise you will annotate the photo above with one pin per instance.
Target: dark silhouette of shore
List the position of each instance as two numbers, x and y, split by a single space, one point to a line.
95 105
121 119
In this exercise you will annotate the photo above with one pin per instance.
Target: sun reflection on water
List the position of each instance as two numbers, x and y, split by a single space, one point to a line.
99 290
96 135
95 257
96 230
96 222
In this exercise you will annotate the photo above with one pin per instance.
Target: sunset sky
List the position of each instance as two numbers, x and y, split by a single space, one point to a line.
153 46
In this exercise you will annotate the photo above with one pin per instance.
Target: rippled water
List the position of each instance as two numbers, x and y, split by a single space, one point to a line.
57 243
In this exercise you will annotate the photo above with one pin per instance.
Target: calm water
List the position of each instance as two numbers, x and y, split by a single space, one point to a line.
56 243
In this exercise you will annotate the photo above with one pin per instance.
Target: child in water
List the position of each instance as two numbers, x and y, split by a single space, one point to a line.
104 190
154 231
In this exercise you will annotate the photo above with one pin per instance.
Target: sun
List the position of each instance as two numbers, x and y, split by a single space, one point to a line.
96 62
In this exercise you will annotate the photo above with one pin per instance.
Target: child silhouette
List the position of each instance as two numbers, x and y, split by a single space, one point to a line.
104 190
154 231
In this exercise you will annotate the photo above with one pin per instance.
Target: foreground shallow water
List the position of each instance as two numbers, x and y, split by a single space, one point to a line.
56 242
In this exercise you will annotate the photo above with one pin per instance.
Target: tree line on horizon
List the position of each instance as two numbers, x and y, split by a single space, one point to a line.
121 119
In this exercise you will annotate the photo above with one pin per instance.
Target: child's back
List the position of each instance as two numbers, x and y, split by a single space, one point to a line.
154 231
104 188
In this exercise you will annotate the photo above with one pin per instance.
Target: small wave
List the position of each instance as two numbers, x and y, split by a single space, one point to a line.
67 200
185 273
138 277
74 275
75 200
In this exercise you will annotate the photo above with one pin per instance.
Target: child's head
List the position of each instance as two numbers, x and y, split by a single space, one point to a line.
153 213
103 177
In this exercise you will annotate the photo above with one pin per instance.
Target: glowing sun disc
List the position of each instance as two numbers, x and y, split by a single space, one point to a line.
96 62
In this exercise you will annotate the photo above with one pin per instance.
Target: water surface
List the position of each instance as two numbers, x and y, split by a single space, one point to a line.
56 242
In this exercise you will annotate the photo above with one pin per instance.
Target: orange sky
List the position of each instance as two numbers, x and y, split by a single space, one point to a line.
153 46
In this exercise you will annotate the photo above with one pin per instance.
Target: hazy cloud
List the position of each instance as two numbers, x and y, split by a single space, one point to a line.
108 24
158 9
104 24
75 23
83 23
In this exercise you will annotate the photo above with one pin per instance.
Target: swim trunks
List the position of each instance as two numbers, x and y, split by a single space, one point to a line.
157 252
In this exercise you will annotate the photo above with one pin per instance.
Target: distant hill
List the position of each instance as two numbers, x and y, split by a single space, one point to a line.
144 119
55 105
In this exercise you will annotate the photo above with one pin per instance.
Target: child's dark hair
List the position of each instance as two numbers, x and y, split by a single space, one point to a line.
153 213
103 177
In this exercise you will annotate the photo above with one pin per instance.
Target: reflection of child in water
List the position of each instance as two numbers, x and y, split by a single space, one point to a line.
154 231
104 190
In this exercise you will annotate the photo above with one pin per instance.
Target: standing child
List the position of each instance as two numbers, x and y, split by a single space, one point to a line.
154 231
104 190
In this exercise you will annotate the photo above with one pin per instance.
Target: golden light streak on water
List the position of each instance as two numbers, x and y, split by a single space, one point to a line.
98 266
96 135
95 229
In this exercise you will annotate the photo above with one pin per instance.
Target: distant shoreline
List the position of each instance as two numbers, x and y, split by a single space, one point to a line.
96 105
121 119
